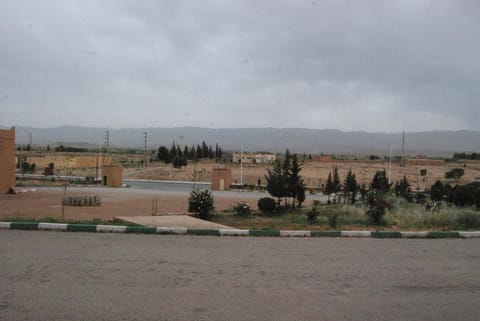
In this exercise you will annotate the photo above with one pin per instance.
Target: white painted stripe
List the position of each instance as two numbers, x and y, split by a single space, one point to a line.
419 234
472 234
295 233
172 230
52 226
111 228
230 232
356 233
5 225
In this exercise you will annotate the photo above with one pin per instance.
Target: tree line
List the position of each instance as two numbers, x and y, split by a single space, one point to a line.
178 155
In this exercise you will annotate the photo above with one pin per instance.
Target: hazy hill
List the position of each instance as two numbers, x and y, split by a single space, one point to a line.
256 139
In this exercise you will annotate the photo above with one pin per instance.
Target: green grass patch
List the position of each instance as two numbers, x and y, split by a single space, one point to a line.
81 228
442 235
141 229
326 233
264 233
386 234
203 232
24 225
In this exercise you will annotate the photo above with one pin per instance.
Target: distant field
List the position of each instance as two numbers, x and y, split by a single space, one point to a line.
314 173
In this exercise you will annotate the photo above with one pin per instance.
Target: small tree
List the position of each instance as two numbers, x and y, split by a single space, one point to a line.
377 206
201 203
163 154
329 187
350 188
402 188
296 184
455 173
178 162
336 181
276 182
25 167
380 182
437 191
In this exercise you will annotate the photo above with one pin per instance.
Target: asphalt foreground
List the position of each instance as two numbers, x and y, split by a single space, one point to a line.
109 276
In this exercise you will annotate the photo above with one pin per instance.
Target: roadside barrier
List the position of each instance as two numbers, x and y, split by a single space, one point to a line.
61 227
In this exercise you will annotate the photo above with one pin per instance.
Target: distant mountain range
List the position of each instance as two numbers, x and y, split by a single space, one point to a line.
261 139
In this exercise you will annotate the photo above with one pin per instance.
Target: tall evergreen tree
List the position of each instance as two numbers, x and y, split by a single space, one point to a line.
163 154
173 151
329 187
296 184
336 180
350 188
402 188
276 181
380 182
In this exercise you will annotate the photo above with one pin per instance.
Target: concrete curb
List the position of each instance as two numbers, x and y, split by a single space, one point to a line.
52 226
5 225
295 233
356 233
234 232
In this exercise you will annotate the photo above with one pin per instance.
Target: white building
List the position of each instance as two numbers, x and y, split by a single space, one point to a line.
254 158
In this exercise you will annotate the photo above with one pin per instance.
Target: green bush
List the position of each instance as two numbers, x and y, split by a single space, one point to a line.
201 203
469 219
267 205
312 215
242 209
455 173
334 219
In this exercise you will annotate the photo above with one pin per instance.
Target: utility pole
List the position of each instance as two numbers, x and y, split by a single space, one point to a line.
389 164
402 160
105 146
241 165
145 149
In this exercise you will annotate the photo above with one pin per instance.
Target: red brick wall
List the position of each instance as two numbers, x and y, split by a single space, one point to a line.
113 174
7 159
221 173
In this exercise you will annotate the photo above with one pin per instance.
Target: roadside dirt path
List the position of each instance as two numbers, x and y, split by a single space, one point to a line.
46 202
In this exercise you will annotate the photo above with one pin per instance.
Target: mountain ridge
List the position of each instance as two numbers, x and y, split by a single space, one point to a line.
307 140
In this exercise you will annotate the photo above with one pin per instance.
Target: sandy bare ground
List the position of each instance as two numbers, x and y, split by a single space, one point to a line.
46 202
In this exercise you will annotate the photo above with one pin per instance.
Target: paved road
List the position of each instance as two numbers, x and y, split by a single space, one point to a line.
79 276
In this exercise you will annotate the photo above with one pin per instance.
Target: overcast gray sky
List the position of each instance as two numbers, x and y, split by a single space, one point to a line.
350 65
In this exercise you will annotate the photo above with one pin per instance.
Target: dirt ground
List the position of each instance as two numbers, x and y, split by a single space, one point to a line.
46 202
314 173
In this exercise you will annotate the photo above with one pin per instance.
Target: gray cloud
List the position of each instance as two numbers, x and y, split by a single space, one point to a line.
375 65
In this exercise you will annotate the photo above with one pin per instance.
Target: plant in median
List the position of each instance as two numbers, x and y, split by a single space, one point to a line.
267 205
201 203
334 219
242 209
312 215
377 206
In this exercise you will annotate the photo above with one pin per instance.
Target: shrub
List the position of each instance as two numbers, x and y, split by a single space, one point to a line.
267 205
455 173
469 219
242 209
201 203
462 195
312 215
377 206
334 219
